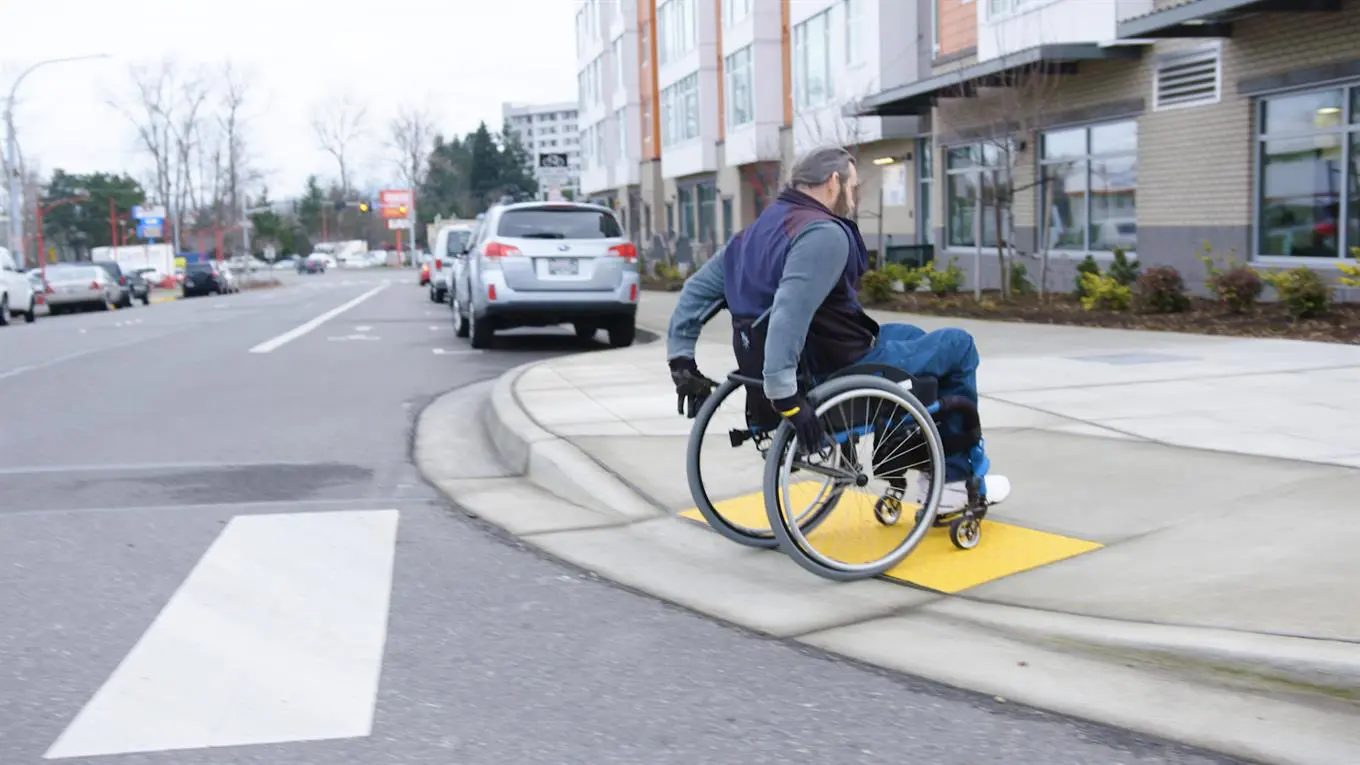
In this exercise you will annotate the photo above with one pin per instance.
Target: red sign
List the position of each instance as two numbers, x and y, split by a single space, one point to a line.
395 203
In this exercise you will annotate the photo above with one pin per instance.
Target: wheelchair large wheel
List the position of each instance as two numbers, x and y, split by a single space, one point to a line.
866 411
743 527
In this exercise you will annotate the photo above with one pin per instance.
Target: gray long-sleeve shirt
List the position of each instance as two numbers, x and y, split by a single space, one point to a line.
816 261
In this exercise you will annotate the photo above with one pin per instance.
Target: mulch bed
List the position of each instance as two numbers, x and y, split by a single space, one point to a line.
1340 325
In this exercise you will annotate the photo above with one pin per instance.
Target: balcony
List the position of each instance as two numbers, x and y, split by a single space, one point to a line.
1210 18
1019 26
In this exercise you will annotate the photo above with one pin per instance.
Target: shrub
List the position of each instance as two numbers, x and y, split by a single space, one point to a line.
667 271
1020 284
1303 292
1123 270
877 286
1351 272
1088 265
911 278
947 281
1104 292
1237 288
1161 289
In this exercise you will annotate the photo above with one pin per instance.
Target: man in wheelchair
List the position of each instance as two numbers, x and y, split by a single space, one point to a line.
795 270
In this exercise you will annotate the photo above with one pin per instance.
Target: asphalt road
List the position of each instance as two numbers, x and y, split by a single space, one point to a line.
129 442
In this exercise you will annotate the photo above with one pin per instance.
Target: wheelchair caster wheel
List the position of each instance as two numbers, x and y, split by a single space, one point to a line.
965 532
888 510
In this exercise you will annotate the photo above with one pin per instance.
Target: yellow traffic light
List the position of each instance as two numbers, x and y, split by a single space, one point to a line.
402 209
363 207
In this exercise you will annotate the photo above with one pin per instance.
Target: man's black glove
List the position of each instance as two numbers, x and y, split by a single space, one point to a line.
691 387
804 420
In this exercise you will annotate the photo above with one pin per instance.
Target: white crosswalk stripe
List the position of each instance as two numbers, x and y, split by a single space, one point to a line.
276 636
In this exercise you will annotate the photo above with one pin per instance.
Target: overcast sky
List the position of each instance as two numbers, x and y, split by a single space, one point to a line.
461 57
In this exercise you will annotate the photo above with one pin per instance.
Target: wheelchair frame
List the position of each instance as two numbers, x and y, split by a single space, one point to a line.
964 524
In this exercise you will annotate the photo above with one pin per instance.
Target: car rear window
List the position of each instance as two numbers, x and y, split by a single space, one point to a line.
558 223
198 268
457 241
73 273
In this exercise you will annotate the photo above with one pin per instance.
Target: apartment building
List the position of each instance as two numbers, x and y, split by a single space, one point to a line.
609 106
549 133
1153 126
730 91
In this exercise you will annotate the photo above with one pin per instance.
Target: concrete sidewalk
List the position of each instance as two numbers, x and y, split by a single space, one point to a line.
1210 483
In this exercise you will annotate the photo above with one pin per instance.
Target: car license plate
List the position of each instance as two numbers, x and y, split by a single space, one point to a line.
562 267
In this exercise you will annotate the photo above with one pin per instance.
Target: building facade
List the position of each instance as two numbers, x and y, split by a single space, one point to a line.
1052 128
610 107
549 133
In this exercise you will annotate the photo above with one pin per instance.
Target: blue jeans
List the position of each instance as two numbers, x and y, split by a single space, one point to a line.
950 356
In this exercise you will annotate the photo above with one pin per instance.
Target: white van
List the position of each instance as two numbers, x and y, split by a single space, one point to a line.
448 245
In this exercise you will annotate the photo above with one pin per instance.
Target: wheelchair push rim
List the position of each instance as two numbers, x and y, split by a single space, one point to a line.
835 398
763 537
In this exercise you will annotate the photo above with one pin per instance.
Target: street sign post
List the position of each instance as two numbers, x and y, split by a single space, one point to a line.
395 203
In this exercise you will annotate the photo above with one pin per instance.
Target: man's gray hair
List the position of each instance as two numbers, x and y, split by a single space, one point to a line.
817 166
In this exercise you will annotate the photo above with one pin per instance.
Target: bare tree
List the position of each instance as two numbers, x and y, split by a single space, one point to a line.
148 109
233 90
338 124
1006 118
412 139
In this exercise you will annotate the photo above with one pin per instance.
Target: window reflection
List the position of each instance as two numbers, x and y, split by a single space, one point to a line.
1089 187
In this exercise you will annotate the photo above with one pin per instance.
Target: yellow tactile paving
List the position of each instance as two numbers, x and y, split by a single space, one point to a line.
851 533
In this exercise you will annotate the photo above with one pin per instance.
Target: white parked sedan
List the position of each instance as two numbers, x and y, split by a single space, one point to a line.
80 288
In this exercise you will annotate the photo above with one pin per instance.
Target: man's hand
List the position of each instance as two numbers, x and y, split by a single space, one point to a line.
691 387
804 420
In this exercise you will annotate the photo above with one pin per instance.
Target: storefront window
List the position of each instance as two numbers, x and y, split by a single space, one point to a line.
925 175
971 178
1307 144
1089 187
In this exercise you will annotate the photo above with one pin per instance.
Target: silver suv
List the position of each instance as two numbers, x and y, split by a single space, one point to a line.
539 264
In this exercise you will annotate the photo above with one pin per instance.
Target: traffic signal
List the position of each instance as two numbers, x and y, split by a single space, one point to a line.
402 209
364 207
340 205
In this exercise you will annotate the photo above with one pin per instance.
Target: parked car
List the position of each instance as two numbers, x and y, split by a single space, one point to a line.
231 282
449 243
82 287
539 264
311 266
139 287
115 272
17 297
204 278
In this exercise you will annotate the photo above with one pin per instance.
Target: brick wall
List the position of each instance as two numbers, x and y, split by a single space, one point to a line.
958 26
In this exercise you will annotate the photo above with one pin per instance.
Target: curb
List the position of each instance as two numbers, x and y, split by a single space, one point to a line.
552 462
1275 699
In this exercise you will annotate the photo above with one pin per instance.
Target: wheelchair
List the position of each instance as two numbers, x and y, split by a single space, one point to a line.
875 417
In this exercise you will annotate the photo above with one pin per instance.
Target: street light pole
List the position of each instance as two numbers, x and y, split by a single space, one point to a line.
16 217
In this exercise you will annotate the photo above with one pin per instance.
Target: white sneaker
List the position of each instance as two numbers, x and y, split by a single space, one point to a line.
998 488
954 497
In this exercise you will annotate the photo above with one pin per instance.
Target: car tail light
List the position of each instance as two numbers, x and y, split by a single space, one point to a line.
95 286
491 292
122 281
626 251
632 293
438 265
498 250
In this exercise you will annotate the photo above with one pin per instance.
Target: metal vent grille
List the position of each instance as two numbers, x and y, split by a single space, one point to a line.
1191 78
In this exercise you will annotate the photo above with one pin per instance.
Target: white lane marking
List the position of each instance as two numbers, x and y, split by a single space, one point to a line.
277 635
445 352
362 328
347 338
296 332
